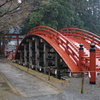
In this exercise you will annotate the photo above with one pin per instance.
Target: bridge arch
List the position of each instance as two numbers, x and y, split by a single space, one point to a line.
77 36
83 34
66 44
57 41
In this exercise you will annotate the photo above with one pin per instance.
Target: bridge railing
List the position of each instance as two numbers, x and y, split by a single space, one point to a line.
59 39
85 63
90 37
87 36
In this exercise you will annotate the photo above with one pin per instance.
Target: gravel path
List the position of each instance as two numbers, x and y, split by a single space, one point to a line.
71 91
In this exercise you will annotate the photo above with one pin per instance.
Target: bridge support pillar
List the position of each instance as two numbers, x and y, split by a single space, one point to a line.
30 53
36 54
58 61
92 64
25 54
45 49
21 55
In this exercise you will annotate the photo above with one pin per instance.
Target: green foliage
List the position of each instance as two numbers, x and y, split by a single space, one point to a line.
60 14
35 18
89 12
56 14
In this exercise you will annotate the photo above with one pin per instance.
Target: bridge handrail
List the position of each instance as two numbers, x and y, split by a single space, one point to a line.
58 38
85 63
82 34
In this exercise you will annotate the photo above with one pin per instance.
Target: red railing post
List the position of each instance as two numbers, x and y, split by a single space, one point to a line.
92 64
81 52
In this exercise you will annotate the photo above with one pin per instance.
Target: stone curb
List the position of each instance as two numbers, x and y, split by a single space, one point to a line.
29 71
10 85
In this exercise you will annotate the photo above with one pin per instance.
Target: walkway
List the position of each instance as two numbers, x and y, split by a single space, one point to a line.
23 84
30 88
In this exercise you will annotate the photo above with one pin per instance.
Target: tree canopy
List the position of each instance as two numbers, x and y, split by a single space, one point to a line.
58 14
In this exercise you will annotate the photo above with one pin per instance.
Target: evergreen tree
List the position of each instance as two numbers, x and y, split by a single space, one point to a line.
89 12
56 14
59 14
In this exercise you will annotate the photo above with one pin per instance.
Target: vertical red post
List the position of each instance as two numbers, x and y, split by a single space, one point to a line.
81 52
92 64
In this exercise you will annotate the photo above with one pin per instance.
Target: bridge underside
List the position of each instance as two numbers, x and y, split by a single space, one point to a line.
58 52
39 55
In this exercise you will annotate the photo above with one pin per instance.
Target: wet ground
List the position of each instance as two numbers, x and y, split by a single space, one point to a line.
16 84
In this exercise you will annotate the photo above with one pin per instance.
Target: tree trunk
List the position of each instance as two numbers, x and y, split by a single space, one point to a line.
0 45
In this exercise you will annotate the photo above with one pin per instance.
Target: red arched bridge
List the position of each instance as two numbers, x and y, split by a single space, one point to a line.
67 50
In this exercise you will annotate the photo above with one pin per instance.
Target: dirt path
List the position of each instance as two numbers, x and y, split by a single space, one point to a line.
24 84
31 88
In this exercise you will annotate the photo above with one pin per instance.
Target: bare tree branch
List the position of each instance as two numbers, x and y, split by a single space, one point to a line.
4 3
14 15
8 9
